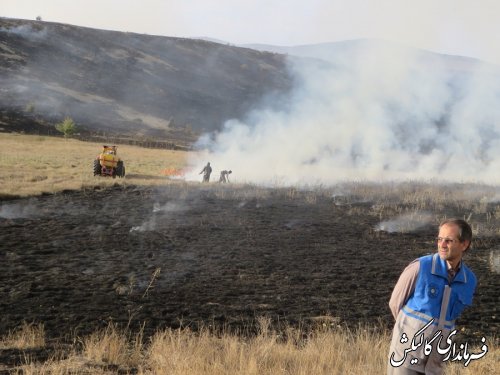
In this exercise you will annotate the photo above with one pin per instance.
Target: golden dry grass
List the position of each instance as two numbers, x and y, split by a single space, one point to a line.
328 350
31 165
28 335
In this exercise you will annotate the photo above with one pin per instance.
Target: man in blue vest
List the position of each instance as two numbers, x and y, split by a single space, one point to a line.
430 294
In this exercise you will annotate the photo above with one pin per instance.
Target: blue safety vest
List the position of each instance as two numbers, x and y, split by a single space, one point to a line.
435 298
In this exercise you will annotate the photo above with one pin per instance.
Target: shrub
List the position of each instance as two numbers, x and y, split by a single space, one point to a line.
30 107
67 127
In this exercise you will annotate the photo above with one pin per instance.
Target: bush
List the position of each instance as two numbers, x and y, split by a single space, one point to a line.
30 107
67 127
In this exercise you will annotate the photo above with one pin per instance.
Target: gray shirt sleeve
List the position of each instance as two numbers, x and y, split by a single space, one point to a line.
404 287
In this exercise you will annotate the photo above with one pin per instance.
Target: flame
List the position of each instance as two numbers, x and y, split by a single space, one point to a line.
173 172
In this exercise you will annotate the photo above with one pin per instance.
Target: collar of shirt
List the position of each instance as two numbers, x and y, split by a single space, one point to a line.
452 272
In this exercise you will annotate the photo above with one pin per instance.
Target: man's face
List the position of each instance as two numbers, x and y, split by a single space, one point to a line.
449 247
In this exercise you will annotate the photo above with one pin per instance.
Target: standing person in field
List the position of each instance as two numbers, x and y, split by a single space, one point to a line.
207 170
224 176
435 287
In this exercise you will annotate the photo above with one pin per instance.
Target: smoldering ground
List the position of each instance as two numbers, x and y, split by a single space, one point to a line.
191 254
374 111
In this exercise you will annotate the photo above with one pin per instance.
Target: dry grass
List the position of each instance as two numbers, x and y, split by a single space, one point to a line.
31 165
26 336
330 349
113 346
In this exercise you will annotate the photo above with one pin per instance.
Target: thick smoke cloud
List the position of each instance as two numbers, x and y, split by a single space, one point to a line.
371 112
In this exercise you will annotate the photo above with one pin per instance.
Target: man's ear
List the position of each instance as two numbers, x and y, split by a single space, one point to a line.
467 245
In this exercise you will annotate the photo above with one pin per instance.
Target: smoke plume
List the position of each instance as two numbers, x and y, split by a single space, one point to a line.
406 223
371 112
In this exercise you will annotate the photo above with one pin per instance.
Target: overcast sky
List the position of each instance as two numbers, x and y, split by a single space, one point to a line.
459 27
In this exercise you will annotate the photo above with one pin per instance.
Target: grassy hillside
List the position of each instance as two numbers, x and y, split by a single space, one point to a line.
129 83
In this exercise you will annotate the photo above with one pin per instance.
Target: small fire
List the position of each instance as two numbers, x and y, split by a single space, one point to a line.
173 172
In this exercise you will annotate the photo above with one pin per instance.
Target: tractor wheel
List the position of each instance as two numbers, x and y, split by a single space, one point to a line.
120 169
97 168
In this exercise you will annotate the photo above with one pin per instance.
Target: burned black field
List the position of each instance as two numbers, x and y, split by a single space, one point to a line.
185 255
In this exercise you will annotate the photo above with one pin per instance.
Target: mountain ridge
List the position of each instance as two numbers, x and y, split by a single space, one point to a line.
130 83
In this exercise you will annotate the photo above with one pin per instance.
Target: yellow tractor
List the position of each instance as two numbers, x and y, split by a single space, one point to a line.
107 163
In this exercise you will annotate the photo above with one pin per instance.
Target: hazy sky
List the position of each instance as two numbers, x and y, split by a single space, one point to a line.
460 27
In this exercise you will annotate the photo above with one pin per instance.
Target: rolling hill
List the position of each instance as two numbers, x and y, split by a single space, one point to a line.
127 83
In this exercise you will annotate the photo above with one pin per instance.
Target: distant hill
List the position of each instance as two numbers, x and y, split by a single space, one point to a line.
353 48
128 83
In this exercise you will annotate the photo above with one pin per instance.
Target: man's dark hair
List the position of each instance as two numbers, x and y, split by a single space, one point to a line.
464 229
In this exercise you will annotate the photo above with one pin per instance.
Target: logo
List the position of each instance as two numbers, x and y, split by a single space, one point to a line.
433 290
450 353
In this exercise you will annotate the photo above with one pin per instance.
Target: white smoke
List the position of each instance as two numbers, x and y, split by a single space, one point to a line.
23 210
160 214
27 31
405 223
148 226
173 207
8 211
374 113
